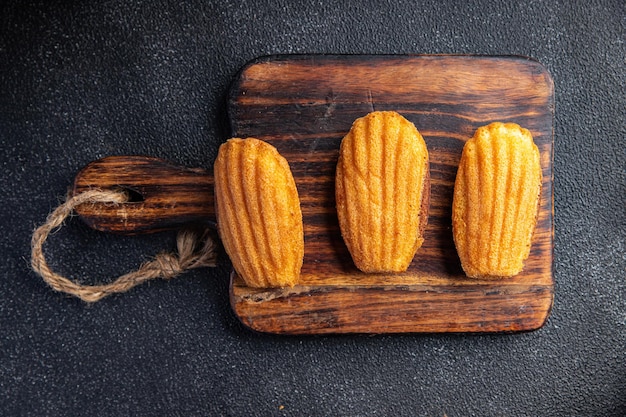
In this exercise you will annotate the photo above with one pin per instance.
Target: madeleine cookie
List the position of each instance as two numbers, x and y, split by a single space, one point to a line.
496 198
382 191
258 213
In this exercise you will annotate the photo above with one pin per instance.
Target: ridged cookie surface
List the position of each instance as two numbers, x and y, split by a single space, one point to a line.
382 191
496 197
258 213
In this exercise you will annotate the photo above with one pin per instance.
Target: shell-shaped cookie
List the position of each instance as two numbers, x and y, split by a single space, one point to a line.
382 191
496 197
258 213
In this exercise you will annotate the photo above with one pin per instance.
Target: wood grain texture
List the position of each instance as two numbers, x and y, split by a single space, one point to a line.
304 105
162 195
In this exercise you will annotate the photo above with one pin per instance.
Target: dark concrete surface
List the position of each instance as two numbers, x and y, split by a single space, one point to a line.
83 80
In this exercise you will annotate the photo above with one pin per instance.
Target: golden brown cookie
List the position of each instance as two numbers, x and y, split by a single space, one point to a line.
496 198
258 213
382 191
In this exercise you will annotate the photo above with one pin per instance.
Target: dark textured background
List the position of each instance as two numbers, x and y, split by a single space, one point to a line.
83 80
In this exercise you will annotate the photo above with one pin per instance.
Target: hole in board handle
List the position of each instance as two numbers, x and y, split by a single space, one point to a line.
134 196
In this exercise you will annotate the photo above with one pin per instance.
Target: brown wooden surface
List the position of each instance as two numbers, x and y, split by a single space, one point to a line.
162 195
304 105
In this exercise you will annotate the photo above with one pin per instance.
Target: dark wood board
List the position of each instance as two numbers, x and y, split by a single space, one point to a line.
304 105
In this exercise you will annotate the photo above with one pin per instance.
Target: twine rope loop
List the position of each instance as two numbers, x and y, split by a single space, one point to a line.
194 250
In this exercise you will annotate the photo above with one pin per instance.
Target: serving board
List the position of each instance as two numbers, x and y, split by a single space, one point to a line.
304 105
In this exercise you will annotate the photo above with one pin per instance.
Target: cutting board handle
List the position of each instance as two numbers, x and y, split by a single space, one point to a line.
161 195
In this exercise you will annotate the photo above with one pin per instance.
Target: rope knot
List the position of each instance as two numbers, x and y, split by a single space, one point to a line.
167 265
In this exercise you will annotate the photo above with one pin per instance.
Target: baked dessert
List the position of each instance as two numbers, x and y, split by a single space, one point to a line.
382 191
496 198
258 213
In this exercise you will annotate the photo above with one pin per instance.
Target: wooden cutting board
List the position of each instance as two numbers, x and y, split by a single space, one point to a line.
304 105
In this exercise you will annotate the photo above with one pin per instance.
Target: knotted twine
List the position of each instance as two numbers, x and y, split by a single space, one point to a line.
195 250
